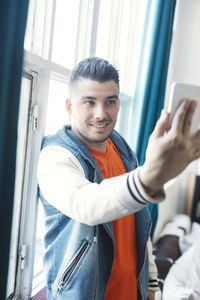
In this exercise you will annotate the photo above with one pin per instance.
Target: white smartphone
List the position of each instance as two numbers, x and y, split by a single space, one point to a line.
180 91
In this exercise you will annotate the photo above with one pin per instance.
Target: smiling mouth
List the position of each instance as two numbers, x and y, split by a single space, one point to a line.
100 125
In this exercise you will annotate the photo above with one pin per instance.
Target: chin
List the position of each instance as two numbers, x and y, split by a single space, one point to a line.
95 137
100 139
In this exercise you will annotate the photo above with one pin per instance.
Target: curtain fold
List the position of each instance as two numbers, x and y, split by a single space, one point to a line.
150 87
13 15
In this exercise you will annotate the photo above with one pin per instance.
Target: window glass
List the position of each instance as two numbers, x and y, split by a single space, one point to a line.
57 115
38 27
119 39
65 32
103 30
29 27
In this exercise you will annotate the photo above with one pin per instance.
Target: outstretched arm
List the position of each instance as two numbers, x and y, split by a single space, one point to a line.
151 295
169 152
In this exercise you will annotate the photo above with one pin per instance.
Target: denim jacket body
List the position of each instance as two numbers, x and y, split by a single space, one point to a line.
78 258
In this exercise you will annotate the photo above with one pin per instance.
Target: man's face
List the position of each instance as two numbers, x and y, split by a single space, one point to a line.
94 107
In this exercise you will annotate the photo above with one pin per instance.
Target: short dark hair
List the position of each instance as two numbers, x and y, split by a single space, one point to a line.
94 68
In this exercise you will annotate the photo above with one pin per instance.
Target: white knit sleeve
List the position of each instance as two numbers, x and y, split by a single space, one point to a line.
63 184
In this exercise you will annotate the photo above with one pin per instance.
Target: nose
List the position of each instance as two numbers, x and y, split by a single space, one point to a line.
100 112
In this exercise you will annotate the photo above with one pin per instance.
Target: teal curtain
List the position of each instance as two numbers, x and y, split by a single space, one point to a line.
152 75
13 16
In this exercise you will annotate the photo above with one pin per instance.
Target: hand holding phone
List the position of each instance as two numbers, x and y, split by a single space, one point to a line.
179 92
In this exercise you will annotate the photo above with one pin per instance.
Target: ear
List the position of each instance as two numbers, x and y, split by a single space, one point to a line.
68 106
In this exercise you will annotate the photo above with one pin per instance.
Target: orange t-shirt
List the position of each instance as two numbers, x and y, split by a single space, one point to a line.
123 281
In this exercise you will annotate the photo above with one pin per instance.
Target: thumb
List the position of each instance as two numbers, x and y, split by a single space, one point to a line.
162 124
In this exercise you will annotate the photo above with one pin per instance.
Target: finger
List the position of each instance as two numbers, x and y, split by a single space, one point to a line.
196 154
179 117
196 138
188 118
195 141
195 146
162 124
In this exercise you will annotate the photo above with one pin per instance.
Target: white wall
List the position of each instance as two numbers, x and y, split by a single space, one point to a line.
168 208
184 66
184 62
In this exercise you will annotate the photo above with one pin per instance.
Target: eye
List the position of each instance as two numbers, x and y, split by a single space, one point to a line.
110 102
90 102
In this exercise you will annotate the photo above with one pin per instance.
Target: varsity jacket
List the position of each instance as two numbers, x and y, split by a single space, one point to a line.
79 207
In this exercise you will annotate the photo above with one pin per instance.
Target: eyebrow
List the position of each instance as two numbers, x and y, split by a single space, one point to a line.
94 98
113 96
88 97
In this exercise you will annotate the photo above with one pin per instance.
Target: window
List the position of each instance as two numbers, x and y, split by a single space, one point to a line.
25 180
119 38
67 16
59 34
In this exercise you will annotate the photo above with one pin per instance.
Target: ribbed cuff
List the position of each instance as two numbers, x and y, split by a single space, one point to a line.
153 285
158 197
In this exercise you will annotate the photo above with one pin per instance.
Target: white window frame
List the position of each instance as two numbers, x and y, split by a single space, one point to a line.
20 274
25 204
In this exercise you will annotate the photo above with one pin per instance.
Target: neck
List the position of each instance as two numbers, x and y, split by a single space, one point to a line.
102 147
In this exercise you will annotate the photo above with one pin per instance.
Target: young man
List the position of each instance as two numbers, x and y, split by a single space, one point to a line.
95 195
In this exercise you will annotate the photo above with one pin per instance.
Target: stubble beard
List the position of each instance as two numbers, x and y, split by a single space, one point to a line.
92 140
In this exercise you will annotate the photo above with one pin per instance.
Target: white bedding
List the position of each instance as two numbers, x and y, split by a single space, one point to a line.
183 279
